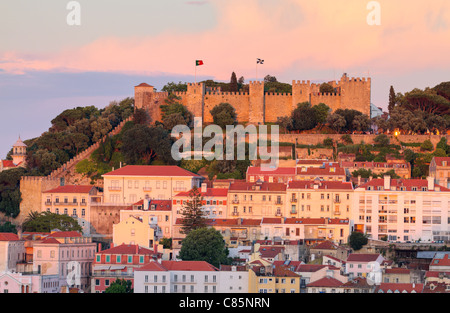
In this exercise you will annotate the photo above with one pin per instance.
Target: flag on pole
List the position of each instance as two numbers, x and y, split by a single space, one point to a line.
198 62
259 61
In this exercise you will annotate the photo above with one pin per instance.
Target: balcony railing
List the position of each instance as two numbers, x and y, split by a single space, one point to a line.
279 202
147 188
114 188
293 211
235 201
235 213
293 200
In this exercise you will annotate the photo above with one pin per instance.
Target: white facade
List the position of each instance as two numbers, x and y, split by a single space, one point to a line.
412 214
233 281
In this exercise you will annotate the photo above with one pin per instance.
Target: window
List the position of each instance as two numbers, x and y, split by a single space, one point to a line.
98 258
118 259
108 259
141 259
130 259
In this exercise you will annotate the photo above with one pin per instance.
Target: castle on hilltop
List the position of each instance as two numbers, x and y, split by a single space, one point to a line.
257 106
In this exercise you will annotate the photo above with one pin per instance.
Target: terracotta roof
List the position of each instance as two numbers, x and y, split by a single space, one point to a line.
152 170
441 259
251 222
408 184
322 161
8 164
8 237
319 171
399 287
269 251
436 287
210 192
279 171
439 160
325 282
387 165
62 234
362 257
161 205
71 189
127 249
179 266
309 267
284 271
144 85
325 245
257 186
357 282
271 220
322 185
436 274
50 240
397 270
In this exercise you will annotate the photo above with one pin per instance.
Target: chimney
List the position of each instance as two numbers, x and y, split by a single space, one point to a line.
359 180
137 249
204 187
430 183
146 203
387 182
99 247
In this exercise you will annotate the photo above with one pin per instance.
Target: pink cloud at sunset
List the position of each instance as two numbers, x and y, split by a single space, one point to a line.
317 35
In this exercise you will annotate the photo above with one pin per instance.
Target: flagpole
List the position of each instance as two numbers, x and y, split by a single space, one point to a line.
195 75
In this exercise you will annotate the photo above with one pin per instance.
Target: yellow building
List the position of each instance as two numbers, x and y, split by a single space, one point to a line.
256 200
133 231
129 184
72 200
440 171
273 279
319 199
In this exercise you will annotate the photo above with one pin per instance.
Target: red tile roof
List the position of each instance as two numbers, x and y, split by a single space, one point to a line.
325 185
439 160
62 234
71 189
210 192
398 183
8 237
322 161
397 270
357 282
143 85
161 205
362 257
399 287
50 240
279 171
271 220
325 282
441 260
257 186
179 266
325 245
308 268
8 164
436 287
127 249
270 251
152 170
321 171
251 222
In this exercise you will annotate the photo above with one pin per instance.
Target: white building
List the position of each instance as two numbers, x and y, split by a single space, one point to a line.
177 277
402 210
12 251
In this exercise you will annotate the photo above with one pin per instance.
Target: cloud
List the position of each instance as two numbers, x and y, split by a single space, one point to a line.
320 34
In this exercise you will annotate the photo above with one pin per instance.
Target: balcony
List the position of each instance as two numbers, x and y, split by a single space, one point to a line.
293 212
179 189
235 201
235 213
337 200
278 202
147 189
114 188
278 214
293 200
337 213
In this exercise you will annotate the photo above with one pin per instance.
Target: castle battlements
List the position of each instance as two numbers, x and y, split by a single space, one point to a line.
257 106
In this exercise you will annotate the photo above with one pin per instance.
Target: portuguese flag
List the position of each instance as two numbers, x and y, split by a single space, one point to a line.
198 62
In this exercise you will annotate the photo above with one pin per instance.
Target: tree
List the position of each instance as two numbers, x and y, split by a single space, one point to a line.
347 139
321 112
285 122
172 106
166 242
233 83
10 195
326 88
442 144
224 114
8 227
427 101
47 221
392 99
173 87
427 145
357 240
336 122
204 244
141 116
304 117
120 286
361 123
382 140
270 79
193 216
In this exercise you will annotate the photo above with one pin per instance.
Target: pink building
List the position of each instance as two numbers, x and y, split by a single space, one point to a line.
361 264
119 262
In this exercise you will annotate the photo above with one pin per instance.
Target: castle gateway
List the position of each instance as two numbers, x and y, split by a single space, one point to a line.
259 107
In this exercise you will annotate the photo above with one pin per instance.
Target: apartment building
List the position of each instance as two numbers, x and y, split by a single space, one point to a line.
403 210
119 262
400 167
256 200
154 215
67 254
72 200
132 183
12 251
319 199
177 277
214 203
440 171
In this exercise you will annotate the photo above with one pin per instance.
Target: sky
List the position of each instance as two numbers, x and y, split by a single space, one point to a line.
62 54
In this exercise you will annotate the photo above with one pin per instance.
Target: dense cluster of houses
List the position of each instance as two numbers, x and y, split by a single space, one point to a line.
287 230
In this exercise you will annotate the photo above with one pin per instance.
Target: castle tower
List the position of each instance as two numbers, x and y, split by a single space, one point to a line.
355 93
19 153
257 103
196 98
142 95
301 91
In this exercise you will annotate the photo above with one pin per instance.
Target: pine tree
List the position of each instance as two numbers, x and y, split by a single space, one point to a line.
233 83
392 99
193 216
